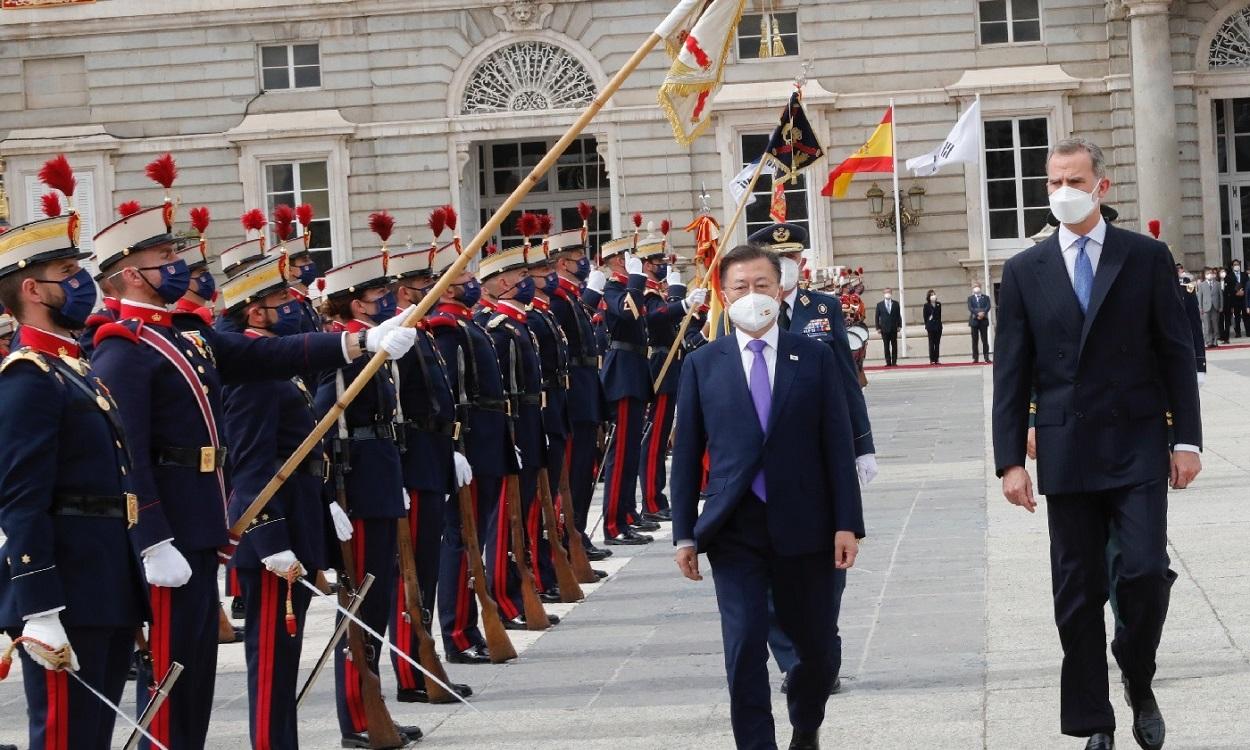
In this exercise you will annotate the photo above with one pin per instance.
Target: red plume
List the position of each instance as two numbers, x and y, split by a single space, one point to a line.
1155 227
637 220
59 175
129 208
527 225
304 213
199 219
163 171
584 210
545 223
51 205
381 223
452 217
283 221
665 227
438 221
491 249
254 220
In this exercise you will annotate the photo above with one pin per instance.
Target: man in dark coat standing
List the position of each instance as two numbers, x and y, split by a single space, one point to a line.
889 321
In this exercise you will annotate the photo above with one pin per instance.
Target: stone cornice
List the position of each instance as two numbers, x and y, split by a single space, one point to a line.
1137 8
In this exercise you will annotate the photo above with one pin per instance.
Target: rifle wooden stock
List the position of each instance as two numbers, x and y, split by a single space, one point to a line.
497 640
577 550
570 591
535 615
416 616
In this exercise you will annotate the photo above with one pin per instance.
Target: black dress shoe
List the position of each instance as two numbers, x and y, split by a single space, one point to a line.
834 688
361 740
473 655
801 740
550 596
595 554
663 516
644 525
420 695
412 733
629 536
1101 741
237 610
1148 727
600 574
515 624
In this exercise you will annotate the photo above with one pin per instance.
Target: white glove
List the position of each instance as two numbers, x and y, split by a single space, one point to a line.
164 565
596 281
673 278
519 464
391 323
395 341
407 499
342 524
696 297
866 467
1202 378
280 563
464 472
633 266
48 630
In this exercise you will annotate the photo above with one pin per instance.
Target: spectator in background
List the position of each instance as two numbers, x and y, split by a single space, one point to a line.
933 325
889 321
979 322
1234 282
1210 304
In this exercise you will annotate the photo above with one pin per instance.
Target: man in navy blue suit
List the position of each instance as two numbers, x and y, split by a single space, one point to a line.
782 505
1092 319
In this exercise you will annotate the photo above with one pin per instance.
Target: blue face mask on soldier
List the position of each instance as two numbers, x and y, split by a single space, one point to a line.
175 280
79 301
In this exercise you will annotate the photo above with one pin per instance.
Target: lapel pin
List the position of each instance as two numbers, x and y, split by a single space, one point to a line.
794 357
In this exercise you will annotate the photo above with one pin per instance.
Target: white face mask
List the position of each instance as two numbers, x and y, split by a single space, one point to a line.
933 298
789 274
1224 275
976 290
887 295
1210 277
753 312
1072 206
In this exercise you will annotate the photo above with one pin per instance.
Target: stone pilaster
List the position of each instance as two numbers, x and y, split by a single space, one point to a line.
1154 116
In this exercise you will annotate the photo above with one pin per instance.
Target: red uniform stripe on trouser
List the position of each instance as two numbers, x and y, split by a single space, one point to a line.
351 679
404 672
501 554
264 676
463 593
654 455
618 458
533 523
233 587
158 644
56 717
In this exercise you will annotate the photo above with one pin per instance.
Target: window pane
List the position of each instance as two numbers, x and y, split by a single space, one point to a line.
993 10
505 155
796 205
312 175
1026 31
752 146
505 181
570 178
1224 211
1001 193
273 57
998 134
1034 220
1241 145
324 260
320 231
994 33
1000 164
1241 115
788 23
1003 225
1033 162
309 77
274 79
319 200
748 47
1035 193
1023 9
305 54
1218 111
532 152
278 178
1033 132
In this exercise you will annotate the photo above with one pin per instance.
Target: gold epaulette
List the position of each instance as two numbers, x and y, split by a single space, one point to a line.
26 354
497 321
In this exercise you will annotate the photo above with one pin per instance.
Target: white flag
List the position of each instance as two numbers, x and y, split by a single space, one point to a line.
960 146
738 185
700 56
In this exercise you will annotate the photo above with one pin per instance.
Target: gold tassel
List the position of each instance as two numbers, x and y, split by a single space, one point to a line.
779 47
765 33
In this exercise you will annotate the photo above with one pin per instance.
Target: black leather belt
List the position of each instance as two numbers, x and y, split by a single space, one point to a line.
659 350
314 466
584 362
530 399
93 506
559 382
205 460
625 346
384 431
434 426
493 404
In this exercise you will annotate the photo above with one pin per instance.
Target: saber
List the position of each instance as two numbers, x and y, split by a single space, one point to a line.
159 694
358 598
116 710
607 446
393 648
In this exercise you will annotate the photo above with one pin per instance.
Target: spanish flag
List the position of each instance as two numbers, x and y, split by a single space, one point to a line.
877 155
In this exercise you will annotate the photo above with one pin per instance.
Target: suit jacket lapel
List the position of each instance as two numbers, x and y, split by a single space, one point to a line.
783 378
738 386
1053 275
1109 265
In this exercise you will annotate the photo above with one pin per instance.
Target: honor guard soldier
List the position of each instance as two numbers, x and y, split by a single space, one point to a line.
665 309
168 389
265 421
241 256
569 260
506 280
202 293
71 594
365 466
626 380
432 468
302 271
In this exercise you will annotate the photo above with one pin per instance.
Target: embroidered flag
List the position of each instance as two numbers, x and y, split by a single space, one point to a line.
699 63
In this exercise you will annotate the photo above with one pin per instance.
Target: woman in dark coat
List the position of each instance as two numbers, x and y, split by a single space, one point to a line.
933 324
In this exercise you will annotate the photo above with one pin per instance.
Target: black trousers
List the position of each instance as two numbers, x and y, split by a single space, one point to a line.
981 331
1081 525
889 342
935 346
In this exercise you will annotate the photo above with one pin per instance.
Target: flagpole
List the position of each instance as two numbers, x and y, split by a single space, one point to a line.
985 217
418 311
898 222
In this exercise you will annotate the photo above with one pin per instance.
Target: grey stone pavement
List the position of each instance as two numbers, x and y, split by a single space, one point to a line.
947 624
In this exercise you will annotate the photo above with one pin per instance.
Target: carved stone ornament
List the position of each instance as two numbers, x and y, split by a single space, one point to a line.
528 77
1231 46
523 15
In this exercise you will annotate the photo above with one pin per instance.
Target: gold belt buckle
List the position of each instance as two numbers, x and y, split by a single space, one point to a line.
455 434
132 510
208 459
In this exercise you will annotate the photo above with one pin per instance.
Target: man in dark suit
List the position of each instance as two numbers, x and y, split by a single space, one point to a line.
1092 319
889 321
782 505
979 322
1234 302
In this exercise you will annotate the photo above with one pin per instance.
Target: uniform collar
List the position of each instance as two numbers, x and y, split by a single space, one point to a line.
486 305
297 294
507 307
570 290
791 297
455 310
149 314
49 343
541 304
620 278
112 303
653 285
356 326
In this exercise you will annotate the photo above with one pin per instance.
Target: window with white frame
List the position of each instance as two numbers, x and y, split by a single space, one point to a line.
1010 21
83 204
296 182
753 27
579 175
1015 174
290 66
757 214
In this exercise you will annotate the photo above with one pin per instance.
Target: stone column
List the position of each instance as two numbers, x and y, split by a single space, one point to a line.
1154 117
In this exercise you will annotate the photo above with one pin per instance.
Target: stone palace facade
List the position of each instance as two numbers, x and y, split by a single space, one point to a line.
361 105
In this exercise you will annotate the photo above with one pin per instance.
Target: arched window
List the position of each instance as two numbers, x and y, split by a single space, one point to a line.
527 77
1231 46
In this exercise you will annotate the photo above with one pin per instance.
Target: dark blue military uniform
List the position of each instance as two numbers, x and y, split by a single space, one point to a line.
64 475
553 355
172 409
664 316
105 315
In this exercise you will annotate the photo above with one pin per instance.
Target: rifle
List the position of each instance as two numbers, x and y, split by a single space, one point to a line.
416 617
577 550
358 598
570 591
535 615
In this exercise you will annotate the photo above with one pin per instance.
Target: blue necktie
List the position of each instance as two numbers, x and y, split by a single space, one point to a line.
1083 274
762 398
